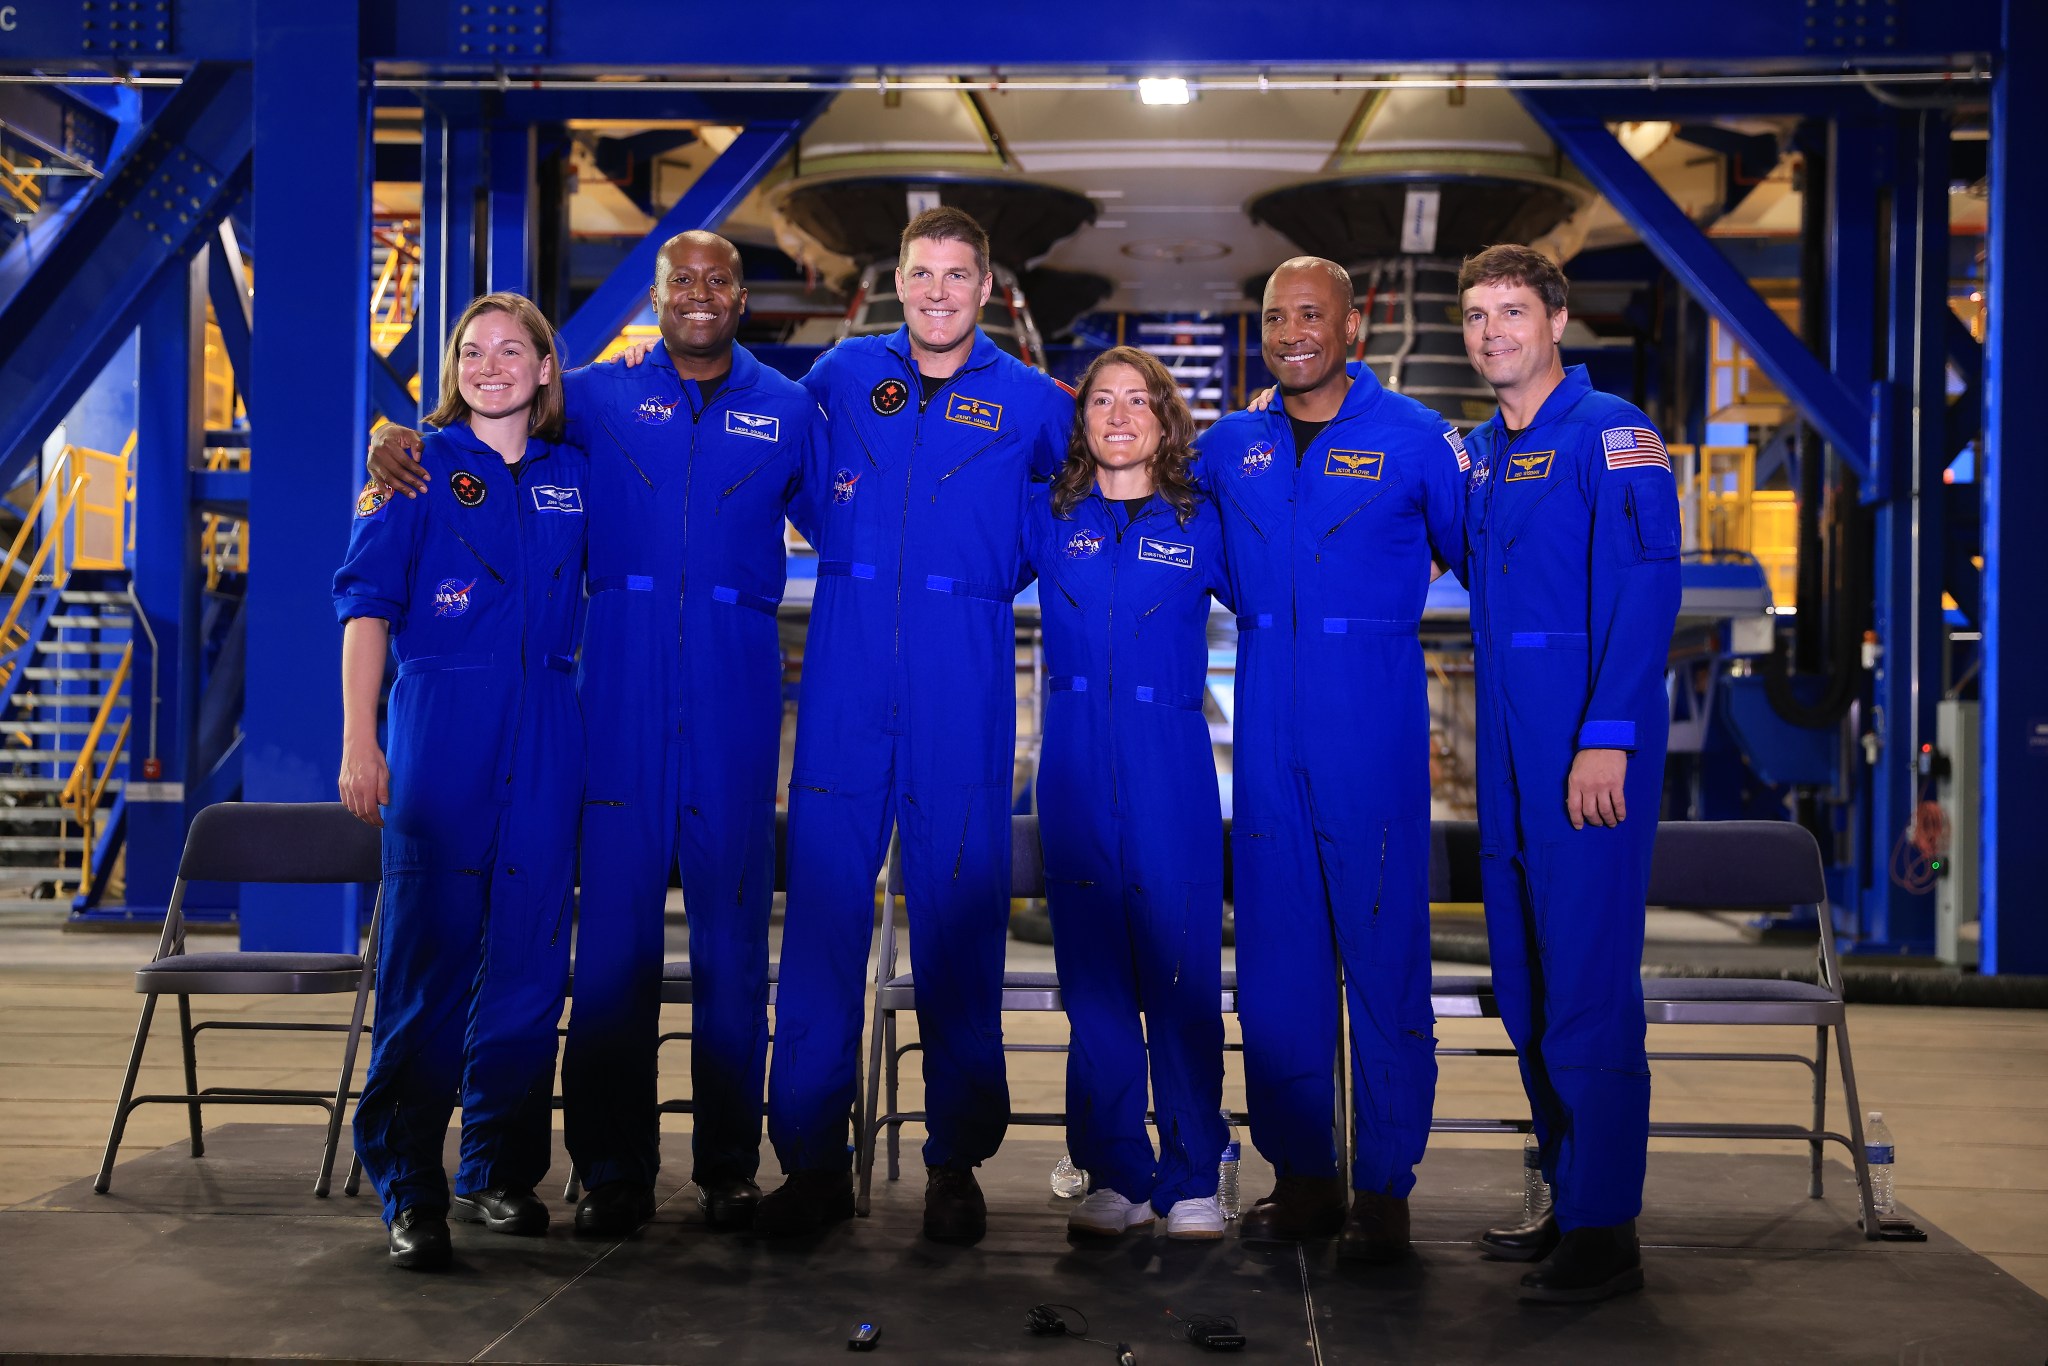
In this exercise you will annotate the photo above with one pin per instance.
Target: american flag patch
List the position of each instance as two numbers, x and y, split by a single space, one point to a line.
1628 447
1458 448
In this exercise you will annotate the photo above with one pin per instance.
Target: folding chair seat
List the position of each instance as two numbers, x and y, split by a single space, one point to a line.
300 843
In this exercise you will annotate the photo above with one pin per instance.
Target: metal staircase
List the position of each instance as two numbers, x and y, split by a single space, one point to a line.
65 657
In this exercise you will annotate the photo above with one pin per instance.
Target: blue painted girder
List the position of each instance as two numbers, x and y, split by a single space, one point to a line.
159 206
1842 417
724 183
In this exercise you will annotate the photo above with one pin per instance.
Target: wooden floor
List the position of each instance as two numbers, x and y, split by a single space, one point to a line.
1965 1091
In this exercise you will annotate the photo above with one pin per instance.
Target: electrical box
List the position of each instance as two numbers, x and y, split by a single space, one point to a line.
1960 790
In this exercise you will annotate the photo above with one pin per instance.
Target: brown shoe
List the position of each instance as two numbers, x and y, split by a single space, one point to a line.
1377 1229
954 1210
1300 1207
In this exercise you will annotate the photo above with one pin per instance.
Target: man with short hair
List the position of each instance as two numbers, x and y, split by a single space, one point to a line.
696 458
1573 528
1335 501
908 720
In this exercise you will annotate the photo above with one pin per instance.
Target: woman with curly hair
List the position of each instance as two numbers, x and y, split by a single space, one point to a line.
1128 553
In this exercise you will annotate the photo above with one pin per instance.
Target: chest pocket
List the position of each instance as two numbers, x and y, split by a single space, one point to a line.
963 467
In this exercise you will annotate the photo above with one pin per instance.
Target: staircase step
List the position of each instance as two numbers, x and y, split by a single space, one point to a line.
33 877
36 844
102 622
62 672
90 595
11 726
32 815
89 701
19 756
15 782
55 911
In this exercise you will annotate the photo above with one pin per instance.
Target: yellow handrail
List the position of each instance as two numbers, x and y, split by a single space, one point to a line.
75 793
12 636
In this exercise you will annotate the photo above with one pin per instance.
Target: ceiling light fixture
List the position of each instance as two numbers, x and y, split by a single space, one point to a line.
1163 90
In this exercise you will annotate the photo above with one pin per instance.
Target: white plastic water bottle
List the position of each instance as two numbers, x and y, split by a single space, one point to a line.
1535 1190
1878 1153
1226 1170
1069 1182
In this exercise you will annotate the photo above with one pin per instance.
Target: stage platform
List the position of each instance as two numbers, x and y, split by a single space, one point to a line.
230 1257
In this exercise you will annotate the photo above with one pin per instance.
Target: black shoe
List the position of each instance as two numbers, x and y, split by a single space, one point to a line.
1589 1264
728 1202
418 1240
1525 1242
614 1209
501 1211
1299 1207
954 1210
805 1203
1376 1230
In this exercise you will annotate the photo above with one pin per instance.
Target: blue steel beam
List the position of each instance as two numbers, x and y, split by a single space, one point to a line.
1908 561
2015 479
828 35
166 559
312 208
509 220
1831 405
451 154
77 305
724 183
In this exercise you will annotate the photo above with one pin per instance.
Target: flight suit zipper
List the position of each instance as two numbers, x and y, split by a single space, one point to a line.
1109 663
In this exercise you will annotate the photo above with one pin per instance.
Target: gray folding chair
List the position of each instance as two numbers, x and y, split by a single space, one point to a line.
303 843
896 992
1772 867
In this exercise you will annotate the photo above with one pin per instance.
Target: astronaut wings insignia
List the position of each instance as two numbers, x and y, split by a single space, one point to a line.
1355 464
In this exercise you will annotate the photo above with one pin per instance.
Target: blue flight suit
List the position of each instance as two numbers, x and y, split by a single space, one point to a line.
682 685
1330 836
480 579
1574 534
1132 833
908 718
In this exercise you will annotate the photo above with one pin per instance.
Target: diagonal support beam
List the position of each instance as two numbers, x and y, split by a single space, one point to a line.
227 288
1842 416
739 168
157 209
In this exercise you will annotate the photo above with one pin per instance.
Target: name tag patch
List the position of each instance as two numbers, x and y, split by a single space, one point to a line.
1166 552
553 498
974 412
1355 464
1529 465
754 425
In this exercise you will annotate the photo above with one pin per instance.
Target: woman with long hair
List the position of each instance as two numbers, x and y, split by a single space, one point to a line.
1128 554
476 587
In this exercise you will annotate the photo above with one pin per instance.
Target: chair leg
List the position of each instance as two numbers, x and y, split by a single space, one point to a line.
895 1101
348 1072
865 1123
355 1172
1871 1230
126 1103
191 1050
572 1189
1820 1110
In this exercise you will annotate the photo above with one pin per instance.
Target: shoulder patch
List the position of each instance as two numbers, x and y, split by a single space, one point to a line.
1630 447
888 397
1458 448
468 489
374 498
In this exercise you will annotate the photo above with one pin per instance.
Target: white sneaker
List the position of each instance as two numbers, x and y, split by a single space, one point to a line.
1105 1214
1195 1221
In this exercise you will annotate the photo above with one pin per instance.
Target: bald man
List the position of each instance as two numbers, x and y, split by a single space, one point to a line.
1335 502
696 458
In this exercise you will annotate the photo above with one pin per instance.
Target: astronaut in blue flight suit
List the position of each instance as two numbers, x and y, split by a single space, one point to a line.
1573 527
696 456
1127 552
908 719
476 588
1334 503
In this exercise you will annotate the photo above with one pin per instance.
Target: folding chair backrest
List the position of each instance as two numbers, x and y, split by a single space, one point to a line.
281 842
1730 865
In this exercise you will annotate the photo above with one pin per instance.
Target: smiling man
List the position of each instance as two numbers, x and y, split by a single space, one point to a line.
1573 492
908 720
696 457
1335 501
